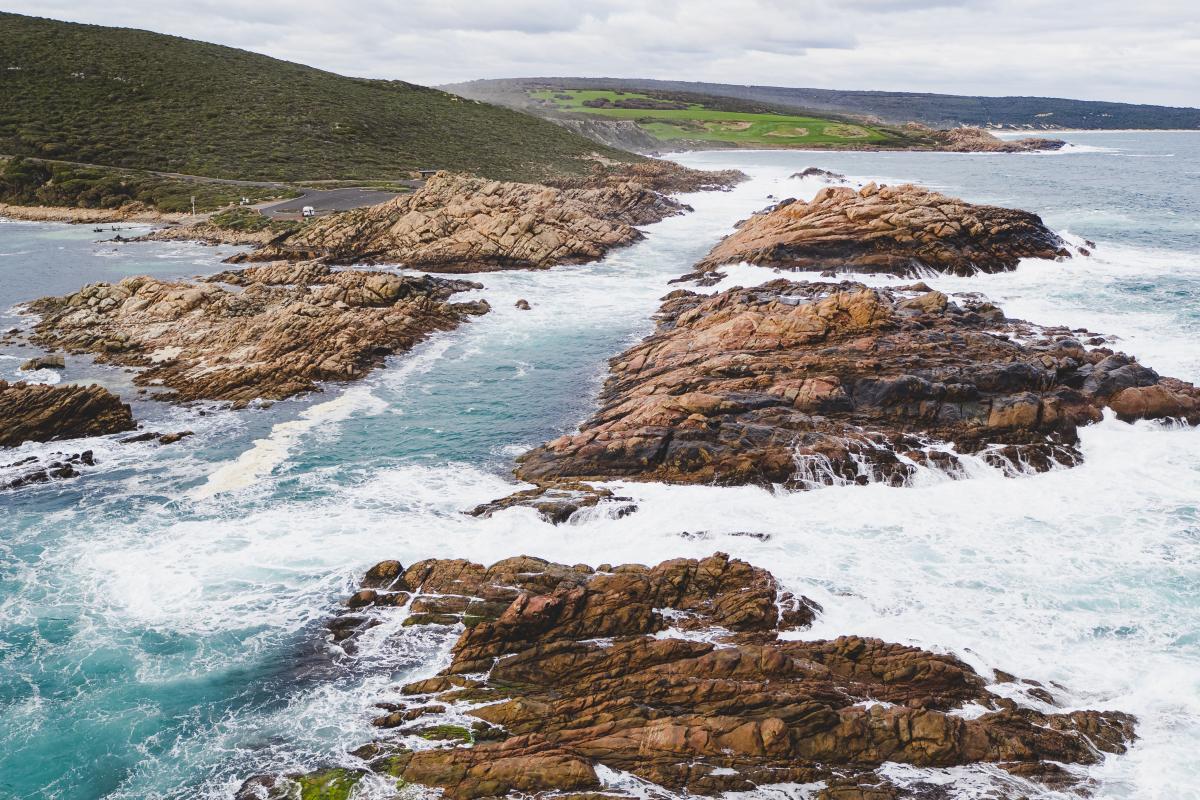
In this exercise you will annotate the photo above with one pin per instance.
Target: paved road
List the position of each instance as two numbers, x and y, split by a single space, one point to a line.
325 201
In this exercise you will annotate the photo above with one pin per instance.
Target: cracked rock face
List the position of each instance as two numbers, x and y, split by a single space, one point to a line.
801 383
275 331
41 413
891 229
675 674
457 223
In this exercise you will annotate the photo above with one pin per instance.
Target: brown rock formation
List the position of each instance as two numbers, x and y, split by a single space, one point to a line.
207 232
40 413
977 140
895 229
291 326
456 223
800 383
675 674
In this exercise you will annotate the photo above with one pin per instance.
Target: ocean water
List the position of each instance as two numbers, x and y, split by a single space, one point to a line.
160 617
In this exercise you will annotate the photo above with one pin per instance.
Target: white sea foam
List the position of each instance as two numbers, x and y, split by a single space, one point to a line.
1087 576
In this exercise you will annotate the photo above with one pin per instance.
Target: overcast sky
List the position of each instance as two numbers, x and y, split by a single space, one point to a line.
1142 51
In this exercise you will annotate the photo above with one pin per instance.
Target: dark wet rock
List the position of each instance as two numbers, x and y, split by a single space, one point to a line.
677 674
33 470
523 304
801 383
557 501
40 413
822 174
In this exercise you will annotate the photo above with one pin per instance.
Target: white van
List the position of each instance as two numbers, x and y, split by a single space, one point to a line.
308 211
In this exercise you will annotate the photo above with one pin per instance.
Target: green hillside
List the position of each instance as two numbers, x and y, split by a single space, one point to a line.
130 98
679 118
934 110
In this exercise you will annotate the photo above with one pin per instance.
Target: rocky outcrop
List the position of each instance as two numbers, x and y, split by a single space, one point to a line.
281 329
977 140
456 223
207 232
801 383
40 413
558 501
38 470
676 675
893 229
823 175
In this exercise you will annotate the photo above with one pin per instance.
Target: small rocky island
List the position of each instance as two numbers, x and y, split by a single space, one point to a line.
900 230
804 383
691 675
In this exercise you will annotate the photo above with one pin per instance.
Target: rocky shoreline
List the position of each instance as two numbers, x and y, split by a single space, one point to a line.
460 224
134 212
266 332
687 675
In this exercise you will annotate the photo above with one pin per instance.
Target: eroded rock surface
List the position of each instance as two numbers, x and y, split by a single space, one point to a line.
277 331
892 229
676 675
41 413
457 223
977 140
802 383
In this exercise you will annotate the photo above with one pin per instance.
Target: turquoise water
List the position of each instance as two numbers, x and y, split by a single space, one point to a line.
160 616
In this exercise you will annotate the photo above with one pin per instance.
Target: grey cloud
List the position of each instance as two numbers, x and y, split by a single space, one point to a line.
1101 49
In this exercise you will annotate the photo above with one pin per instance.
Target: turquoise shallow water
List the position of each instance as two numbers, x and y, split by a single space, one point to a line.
160 617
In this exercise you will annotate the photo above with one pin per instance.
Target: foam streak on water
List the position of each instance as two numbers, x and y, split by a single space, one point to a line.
160 618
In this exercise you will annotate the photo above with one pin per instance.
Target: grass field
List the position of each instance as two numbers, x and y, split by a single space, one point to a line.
672 119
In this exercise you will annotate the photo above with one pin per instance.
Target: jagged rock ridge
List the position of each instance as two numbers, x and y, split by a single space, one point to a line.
675 674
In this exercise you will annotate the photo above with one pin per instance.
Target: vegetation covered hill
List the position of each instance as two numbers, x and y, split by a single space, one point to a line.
684 119
935 110
135 99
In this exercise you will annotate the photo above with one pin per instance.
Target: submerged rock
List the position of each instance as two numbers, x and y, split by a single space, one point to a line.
893 229
801 383
457 223
557 501
278 331
33 469
676 674
41 413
